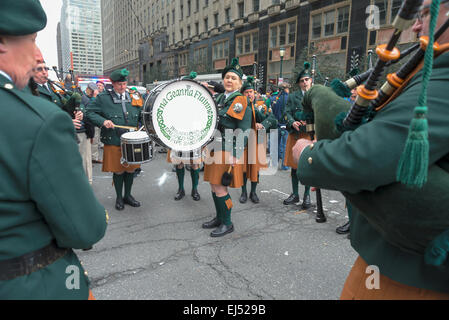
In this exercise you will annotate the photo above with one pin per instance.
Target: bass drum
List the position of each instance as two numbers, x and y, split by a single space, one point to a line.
181 115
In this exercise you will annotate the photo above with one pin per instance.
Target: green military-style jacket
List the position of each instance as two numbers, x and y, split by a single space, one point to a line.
228 122
45 195
103 108
293 110
365 161
51 96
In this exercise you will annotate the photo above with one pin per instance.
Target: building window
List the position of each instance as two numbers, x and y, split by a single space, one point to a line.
330 22
206 24
256 5
183 59
241 10
227 15
200 56
216 20
197 28
220 50
279 36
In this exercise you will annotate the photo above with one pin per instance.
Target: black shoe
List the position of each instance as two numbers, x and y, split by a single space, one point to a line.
306 204
119 204
214 223
222 230
243 197
131 201
344 229
180 195
291 200
254 198
195 195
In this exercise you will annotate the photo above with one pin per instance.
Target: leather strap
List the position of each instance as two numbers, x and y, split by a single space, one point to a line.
30 262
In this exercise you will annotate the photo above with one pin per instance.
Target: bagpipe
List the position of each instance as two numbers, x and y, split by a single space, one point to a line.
420 224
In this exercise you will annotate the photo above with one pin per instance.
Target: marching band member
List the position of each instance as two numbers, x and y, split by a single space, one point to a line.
263 119
180 168
47 205
363 164
296 127
113 108
234 113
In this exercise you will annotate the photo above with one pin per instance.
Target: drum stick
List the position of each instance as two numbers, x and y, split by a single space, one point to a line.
125 127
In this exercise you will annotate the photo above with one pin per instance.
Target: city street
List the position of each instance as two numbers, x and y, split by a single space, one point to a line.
160 251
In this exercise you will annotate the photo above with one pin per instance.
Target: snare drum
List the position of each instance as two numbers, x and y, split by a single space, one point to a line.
137 148
181 115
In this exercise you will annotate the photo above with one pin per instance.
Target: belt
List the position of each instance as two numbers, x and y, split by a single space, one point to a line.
30 262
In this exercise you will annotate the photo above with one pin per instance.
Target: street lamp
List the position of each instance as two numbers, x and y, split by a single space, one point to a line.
281 53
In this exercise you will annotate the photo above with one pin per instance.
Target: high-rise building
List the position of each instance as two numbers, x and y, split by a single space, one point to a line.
81 36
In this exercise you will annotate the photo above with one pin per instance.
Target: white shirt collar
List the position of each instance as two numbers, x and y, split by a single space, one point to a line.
5 75
227 95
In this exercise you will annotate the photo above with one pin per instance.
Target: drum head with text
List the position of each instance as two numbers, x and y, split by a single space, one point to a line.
184 115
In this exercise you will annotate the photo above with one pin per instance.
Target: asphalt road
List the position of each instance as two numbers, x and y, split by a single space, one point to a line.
160 251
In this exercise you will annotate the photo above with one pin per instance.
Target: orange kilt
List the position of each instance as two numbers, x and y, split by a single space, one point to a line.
177 161
213 172
355 288
111 160
291 141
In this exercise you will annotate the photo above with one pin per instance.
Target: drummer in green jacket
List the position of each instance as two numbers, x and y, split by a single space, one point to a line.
110 109
47 206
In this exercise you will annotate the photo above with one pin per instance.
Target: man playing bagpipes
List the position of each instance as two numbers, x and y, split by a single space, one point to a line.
393 171
296 127
255 156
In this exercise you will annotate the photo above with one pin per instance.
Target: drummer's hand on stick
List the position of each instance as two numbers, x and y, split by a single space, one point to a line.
108 124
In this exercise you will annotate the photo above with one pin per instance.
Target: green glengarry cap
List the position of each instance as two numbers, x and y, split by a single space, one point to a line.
233 67
191 76
21 18
120 75
305 72
248 84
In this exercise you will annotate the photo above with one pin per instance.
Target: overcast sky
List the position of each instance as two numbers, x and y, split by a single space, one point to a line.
46 39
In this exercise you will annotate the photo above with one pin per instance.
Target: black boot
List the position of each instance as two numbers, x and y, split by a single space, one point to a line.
214 223
344 229
180 195
306 204
119 204
292 199
129 200
254 198
222 230
243 197
196 195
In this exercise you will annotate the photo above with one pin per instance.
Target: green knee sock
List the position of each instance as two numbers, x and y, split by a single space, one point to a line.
225 208
219 218
306 191
180 174
245 180
118 184
295 183
253 187
195 174
129 179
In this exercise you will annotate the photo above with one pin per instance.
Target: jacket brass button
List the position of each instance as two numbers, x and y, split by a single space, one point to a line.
310 160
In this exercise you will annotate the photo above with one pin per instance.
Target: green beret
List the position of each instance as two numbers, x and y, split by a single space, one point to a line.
305 72
120 75
191 76
233 67
133 89
21 17
248 84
